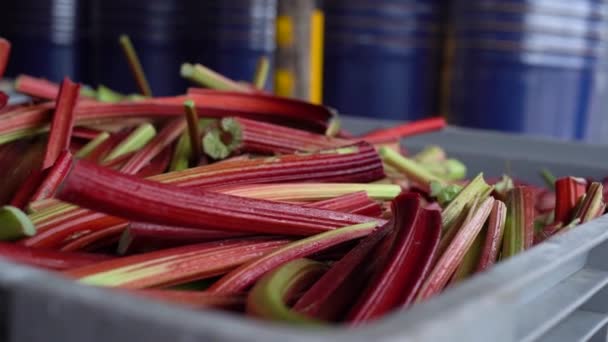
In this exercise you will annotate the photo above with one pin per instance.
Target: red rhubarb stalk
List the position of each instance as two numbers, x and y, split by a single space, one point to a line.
327 299
266 138
48 259
164 138
153 235
449 261
3 100
5 51
176 265
394 282
194 299
568 192
91 186
53 177
354 203
244 276
36 87
494 236
406 130
157 165
81 243
28 188
208 104
63 122
593 204
53 233
359 165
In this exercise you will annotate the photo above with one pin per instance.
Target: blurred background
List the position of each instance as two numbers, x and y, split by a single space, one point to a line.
534 67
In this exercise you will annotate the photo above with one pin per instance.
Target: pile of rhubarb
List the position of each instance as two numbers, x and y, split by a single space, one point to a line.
227 197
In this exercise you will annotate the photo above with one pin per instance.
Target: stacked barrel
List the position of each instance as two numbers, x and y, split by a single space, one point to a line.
530 66
382 57
50 38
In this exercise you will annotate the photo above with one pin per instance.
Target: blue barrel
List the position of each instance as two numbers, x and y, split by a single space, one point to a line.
382 58
50 38
160 34
227 36
235 35
514 68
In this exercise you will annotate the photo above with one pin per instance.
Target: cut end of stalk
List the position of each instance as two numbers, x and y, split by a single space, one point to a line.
214 146
136 140
261 72
187 71
15 224
334 127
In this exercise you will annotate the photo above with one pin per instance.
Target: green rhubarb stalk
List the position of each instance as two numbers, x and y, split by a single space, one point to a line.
135 65
477 188
503 187
430 154
14 224
209 78
105 94
549 178
444 193
314 191
261 72
519 226
449 169
136 140
213 145
181 154
194 131
409 167
268 298
92 145
219 143
87 91
334 126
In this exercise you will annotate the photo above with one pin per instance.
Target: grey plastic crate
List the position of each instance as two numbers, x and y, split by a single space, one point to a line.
555 292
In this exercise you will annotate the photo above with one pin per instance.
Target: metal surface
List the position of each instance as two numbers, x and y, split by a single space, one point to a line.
554 292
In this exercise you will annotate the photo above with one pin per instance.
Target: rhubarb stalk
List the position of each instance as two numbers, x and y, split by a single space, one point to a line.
519 227
53 177
494 236
14 224
249 273
143 156
452 257
268 298
194 131
406 130
135 65
208 78
63 122
261 72
176 265
5 50
48 259
393 282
